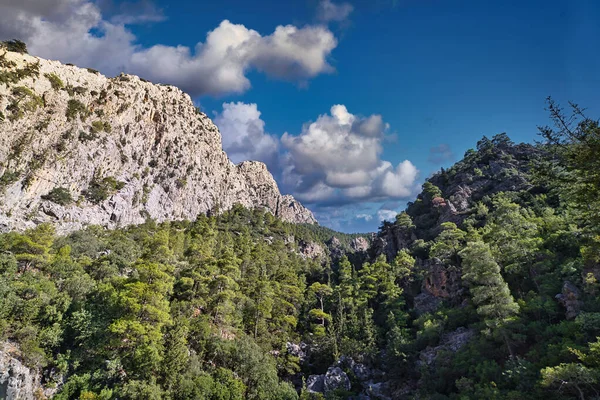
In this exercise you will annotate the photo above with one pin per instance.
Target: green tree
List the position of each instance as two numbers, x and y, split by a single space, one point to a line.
489 291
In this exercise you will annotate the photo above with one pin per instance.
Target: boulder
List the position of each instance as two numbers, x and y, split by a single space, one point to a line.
315 383
336 378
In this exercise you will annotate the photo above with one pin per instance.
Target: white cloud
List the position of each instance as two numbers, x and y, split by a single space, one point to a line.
366 217
76 31
329 11
334 160
386 215
243 134
338 158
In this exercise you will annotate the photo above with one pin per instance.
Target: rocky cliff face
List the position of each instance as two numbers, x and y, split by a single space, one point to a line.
18 382
79 148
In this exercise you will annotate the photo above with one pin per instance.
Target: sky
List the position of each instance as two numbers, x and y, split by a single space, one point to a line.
351 104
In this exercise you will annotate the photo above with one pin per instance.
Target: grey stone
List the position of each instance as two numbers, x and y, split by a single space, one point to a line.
336 378
315 383
569 298
17 381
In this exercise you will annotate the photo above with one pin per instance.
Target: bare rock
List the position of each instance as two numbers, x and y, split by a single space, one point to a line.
297 350
425 302
569 298
315 384
336 249
17 381
452 341
311 250
442 281
359 244
336 378
122 149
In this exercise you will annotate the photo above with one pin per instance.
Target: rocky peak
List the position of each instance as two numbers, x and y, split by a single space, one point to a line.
498 165
359 244
79 148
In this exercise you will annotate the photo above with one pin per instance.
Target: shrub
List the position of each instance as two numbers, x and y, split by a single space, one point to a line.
8 178
101 189
87 137
99 126
92 71
8 77
4 63
15 45
74 108
30 70
25 100
55 81
59 195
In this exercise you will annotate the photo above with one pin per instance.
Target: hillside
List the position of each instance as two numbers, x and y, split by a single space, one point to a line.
78 148
488 295
212 285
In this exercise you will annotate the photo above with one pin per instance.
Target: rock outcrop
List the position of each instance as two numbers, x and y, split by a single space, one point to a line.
359 244
334 379
17 381
451 342
79 148
569 298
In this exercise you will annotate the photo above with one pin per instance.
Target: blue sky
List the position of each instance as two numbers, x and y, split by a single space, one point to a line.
432 73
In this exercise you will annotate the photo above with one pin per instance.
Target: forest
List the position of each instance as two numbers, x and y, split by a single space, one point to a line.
486 287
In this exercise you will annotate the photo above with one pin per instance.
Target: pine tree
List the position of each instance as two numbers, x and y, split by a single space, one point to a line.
489 291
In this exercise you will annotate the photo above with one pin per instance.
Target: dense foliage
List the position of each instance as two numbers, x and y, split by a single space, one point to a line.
208 309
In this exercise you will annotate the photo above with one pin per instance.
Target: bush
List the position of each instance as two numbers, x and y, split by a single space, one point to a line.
99 126
15 45
34 102
101 189
59 195
87 137
55 81
25 100
8 178
74 108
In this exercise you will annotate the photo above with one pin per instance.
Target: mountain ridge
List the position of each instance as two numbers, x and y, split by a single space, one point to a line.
79 148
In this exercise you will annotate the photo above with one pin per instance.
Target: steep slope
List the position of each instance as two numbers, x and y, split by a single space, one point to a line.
78 148
498 165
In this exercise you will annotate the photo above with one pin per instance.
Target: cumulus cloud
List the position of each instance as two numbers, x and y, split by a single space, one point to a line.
243 134
328 11
76 31
440 154
337 158
334 160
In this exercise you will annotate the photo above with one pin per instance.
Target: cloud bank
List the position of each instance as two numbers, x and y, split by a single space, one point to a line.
244 137
337 158
76 31
334 160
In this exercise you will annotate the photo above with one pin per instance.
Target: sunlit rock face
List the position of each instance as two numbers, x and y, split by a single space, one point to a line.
79 148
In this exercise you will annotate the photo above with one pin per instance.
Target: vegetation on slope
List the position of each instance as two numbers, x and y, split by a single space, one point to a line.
208 309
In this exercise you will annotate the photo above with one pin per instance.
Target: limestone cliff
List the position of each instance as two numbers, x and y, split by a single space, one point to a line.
79 148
